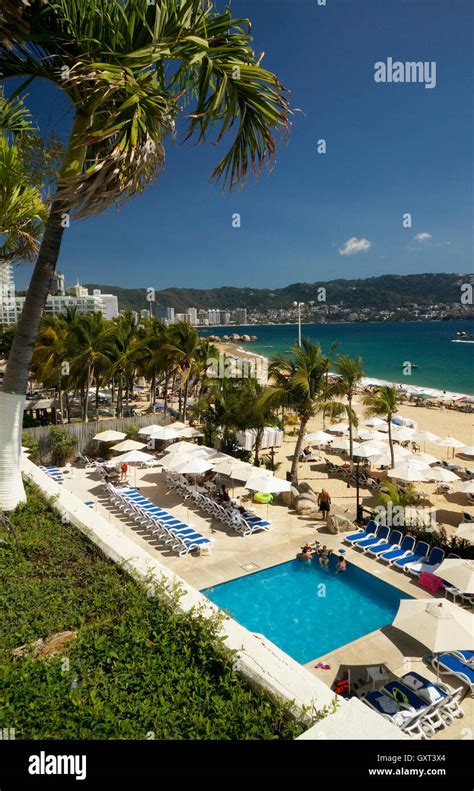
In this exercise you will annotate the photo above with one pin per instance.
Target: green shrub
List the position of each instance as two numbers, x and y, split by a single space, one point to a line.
29 441
138 666
62 444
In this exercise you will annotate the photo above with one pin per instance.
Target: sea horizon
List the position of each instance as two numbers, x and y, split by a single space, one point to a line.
385 347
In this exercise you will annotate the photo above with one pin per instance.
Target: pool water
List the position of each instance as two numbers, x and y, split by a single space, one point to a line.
308 611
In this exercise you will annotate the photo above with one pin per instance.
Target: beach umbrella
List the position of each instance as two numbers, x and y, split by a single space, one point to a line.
109 436
406 473
339 428
375 421
385 459
417 464
441 474
242 473
439 625
468 451
460 573
450 442
426 436
403 434
366 450
340 443
193 466
465 486
267 484
128 444
427 458
465 531
234 468
371 435
177 424
318 436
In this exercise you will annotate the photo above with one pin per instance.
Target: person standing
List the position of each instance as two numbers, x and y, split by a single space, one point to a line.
324 503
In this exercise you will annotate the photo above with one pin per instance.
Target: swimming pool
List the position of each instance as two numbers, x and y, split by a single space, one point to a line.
308 611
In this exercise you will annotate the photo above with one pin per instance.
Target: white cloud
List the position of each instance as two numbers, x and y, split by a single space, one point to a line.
354 246
422 237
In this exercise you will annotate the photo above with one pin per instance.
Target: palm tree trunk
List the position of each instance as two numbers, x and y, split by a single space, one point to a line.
153 389
351 440
165 399
15 382
185 400
258 442
297 454
390 440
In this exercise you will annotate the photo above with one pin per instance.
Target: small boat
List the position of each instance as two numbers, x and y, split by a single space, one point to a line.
463 337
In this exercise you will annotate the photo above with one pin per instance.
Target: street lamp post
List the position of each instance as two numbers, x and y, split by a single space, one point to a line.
299 305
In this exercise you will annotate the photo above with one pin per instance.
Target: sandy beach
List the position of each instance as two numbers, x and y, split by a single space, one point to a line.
441 421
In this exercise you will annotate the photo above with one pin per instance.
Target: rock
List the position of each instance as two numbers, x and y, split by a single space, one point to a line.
344 524
245 338
305 487
304 505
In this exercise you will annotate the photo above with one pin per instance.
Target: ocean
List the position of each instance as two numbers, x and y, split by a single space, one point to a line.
385 347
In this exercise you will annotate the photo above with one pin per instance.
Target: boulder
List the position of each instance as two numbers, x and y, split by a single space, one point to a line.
304 487
305 505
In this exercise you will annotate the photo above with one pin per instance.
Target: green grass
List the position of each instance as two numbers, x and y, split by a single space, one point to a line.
138 668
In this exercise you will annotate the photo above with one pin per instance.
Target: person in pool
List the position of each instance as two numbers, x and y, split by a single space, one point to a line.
341 564
324 555
306 552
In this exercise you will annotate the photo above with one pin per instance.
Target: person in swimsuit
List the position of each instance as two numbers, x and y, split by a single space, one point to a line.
324 502
341 564
305 553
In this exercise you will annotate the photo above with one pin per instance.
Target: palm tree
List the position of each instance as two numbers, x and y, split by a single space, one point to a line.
183 346
297 381
383 402
350 373
128 68
89 354
395 498
123 348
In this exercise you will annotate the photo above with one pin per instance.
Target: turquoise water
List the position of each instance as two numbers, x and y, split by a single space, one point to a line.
385 347
308 611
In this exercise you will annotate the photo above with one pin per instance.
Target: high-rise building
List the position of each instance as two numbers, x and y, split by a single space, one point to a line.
193 316
224 317
214 316
241 316
165 314
8 308
57 284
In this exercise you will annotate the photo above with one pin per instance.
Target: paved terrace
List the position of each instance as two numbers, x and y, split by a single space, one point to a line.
234 555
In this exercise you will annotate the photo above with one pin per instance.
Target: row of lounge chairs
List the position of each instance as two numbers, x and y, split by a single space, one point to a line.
402 553
245 523
53 472
178 535
418 706
456 663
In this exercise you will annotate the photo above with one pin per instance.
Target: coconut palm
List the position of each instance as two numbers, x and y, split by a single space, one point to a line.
395 498
383 401
128 68
297 381
183 346
124 350
350 372
253 411
89 354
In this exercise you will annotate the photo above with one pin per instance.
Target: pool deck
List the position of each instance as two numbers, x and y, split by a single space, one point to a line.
235 556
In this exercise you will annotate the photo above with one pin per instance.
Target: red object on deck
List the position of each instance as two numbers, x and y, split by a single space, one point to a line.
430 581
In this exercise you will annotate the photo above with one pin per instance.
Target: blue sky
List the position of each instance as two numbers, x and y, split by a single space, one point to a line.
391 149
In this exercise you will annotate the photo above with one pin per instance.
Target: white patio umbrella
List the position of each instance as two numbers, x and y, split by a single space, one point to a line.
403 434
468 451
465 486
109 436
128 444
242 473
441 474
426 436
191 432
177 424
165 433
460 573
341 443
417 464
267 484
465 531
339 428
149 429
194 467
426 457
439 625
370 435
407 473
178 447
231 467
319 436
133 457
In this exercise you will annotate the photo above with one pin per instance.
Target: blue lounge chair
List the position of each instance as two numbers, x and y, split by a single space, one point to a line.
361 534
385 705
447 698
392 543
420 552
379 538
430 567
406 548
464 656
407 698
448 663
